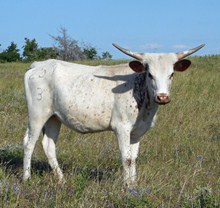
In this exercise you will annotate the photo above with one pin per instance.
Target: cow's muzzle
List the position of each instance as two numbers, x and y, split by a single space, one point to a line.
162 99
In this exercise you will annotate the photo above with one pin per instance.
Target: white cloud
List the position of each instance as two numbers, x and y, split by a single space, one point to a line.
180 46
150 46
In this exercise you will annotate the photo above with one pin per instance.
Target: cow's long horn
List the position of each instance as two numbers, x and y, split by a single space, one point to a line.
135 55
183 54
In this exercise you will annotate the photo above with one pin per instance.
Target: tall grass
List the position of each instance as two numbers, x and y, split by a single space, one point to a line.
179 160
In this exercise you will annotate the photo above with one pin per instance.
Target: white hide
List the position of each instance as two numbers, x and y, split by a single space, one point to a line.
92 99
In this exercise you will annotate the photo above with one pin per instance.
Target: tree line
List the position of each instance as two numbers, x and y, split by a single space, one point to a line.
65 48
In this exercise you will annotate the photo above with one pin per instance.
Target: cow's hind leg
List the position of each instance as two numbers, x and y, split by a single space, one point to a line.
33 132
52 128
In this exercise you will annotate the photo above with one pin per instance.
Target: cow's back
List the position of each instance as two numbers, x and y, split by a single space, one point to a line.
81 96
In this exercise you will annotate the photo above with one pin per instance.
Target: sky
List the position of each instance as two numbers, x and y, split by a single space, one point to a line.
141 25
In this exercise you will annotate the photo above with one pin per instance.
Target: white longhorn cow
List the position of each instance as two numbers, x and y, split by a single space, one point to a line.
98 98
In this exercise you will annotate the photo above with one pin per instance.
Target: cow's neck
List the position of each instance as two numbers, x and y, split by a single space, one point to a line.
143 94
146 106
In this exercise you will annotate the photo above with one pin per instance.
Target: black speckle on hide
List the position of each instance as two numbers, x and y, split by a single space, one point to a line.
140 89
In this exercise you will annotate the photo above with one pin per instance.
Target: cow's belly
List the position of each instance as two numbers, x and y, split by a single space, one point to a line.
84 114
83 102
84 122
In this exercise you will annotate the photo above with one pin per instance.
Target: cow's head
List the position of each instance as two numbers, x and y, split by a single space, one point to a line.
159 69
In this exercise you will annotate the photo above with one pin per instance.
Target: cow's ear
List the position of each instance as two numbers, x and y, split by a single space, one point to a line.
136 66
182 65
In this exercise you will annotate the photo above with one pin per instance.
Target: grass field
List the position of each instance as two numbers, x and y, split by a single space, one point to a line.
178 164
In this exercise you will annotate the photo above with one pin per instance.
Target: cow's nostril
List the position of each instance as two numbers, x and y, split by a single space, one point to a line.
162 98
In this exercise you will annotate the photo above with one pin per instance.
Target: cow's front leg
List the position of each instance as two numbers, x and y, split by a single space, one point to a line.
133 171
129 154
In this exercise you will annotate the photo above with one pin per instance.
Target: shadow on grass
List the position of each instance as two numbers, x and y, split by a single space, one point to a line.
11 158
89 171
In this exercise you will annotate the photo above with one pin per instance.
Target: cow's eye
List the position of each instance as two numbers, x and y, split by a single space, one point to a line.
150 76
171 76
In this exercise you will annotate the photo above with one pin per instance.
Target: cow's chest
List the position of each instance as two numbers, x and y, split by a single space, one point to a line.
145 120
147 108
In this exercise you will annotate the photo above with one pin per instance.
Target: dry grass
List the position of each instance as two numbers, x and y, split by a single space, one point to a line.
178 165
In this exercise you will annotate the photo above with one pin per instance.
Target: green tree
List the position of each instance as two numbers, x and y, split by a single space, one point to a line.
90 52
46 53
11 54
106 55
31 50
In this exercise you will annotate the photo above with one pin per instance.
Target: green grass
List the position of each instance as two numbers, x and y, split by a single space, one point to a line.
178 164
